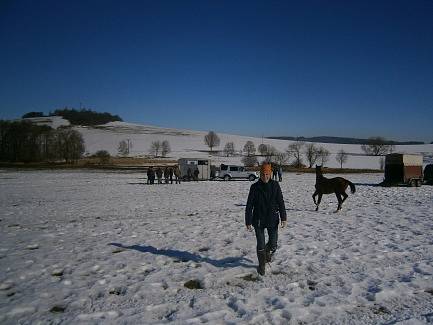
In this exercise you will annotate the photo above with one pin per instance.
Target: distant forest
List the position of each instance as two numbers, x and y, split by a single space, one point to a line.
325 139
79 117
23 141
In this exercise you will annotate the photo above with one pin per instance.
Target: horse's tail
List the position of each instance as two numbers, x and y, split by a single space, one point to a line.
352 187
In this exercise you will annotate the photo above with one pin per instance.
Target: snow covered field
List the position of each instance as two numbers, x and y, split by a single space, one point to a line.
98 247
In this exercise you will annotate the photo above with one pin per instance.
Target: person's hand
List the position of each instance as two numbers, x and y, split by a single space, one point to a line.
249 228
283 224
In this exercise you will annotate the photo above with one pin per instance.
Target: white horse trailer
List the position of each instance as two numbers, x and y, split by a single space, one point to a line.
202 165
403 169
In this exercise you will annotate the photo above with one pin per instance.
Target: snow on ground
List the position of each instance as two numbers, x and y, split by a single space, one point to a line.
190 144
97 247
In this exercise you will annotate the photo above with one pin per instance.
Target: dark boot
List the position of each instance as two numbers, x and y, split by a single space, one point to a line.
269 253
261 255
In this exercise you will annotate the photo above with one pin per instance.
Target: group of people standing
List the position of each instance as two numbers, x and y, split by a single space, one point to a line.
168 172
192 175
277 173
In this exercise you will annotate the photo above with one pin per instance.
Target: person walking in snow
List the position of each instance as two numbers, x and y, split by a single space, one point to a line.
280 173
265 208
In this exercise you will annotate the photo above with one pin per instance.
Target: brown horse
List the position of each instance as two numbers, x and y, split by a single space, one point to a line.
335 185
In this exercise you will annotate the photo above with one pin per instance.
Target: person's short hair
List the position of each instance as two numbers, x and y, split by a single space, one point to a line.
266 168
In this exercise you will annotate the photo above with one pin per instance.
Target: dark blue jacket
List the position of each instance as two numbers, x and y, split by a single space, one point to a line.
265 210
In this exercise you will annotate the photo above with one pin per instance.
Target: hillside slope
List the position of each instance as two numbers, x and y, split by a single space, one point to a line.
189 143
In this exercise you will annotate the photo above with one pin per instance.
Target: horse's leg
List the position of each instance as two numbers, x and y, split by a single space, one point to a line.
340 201
344 197
314 197
318 201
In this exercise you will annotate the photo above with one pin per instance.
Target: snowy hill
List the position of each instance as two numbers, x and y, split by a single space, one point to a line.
188 143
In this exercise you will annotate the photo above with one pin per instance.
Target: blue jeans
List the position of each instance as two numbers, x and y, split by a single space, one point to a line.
260 236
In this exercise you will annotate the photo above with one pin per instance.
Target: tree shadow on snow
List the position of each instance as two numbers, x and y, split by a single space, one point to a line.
185 256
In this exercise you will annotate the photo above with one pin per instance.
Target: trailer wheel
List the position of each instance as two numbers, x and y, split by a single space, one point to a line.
412 183
418 183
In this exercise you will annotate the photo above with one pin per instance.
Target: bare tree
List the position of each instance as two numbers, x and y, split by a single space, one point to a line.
76 146
281 158
312 153
249 161
103 156
294 150
123 148
249 148
212 140
165 148
271 153
341 157
155 147
70 143
323 156
263 149
229 149
377 146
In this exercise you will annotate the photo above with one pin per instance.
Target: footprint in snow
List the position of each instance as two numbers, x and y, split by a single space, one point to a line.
6 285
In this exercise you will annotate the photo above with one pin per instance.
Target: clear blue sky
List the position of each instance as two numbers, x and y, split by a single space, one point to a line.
300 68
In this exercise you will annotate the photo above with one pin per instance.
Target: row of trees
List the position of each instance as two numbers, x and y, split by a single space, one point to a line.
79 117
157 148
313 154
297 151
26 142
162 147
375 146
85 116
